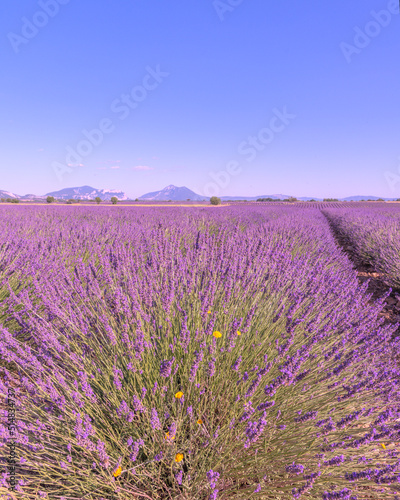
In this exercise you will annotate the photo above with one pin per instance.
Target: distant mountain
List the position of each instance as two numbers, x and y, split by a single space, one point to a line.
359 198
32 197
7 194
87 193
174 193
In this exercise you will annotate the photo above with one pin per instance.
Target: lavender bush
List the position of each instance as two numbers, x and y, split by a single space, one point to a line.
374 233
193 353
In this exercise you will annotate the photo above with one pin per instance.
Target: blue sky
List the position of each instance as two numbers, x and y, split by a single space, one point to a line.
225 97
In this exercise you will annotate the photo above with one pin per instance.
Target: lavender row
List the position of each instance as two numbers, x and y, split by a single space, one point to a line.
193 353
374 234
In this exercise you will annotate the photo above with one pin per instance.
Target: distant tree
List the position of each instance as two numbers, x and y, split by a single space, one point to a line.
292 199
380 199
214 200
397 199
114 200
188 199
15 200
312 200
50 199
69 202
137 199
2 200
97 199
331 199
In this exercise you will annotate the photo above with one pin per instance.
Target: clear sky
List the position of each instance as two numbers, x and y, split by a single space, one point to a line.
229 97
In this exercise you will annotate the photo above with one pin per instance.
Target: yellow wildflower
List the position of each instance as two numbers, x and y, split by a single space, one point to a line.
239 333
199 421
179 395
167 436
178 457
117 472
208 312
217 334
383 446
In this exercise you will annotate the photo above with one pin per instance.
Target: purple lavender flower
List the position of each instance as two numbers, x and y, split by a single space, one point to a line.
135 449
166 368
199 356
212 478
154 420
335 460
345 494
307 416
178 477
266 405
137 405
235 366
211 367
295 469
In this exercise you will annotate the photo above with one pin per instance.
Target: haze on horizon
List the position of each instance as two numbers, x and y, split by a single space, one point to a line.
224 97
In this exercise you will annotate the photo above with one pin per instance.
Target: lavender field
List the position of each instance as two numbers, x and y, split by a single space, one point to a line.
198 353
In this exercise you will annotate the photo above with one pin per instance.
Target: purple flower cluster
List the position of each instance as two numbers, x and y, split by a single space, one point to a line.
254 430
199 356
166 368
135 445
311 415
345 494
295 468
154 420
213 478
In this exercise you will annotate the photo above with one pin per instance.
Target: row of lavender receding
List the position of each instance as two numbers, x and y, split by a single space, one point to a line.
192 354
374 234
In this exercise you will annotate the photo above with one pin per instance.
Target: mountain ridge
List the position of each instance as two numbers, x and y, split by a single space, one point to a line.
170 192
173 193
87 193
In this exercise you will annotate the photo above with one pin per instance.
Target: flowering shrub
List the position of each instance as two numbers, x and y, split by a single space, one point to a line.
374 233
194 354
